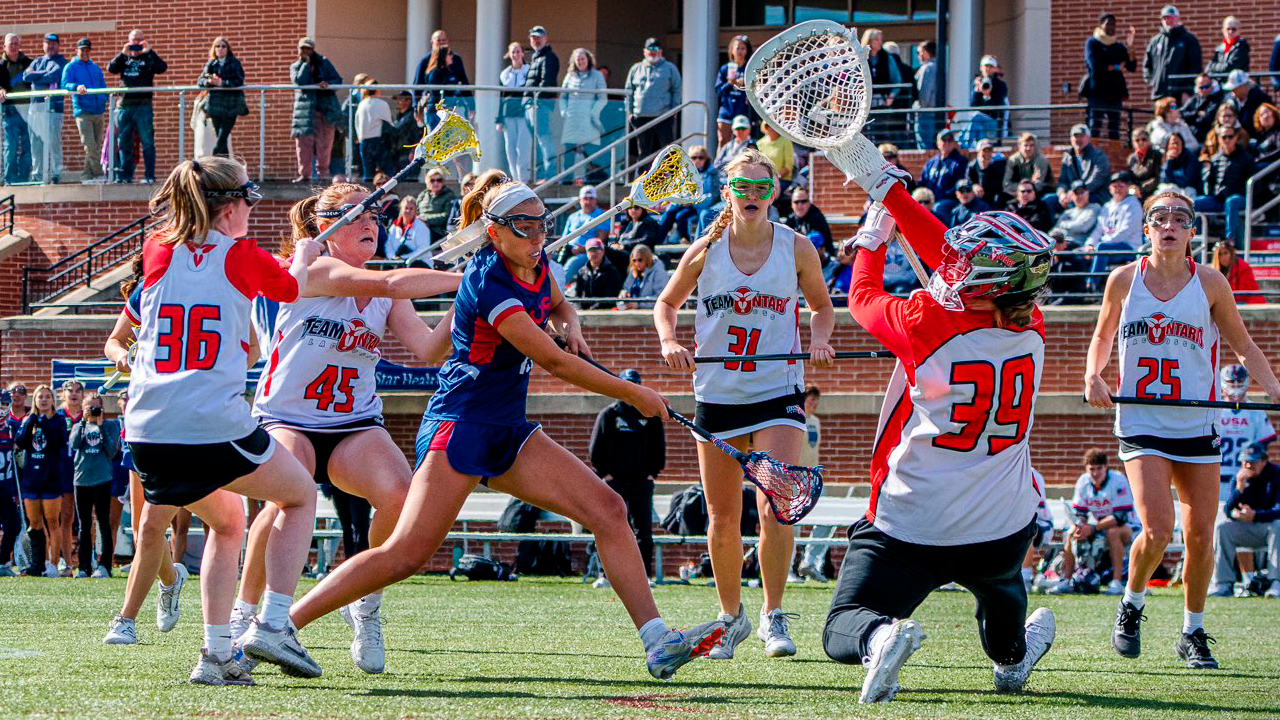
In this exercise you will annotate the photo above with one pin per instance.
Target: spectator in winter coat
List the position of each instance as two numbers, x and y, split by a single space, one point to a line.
1145 162
406 129
137 65
17 129
598 278
967 205
943 171
653 88
457 69
1028 206
639 227
1079 222
407 233
435 203
1223 180
581 111
1107 59
438 72
1199 109
1181 168
1028 164
1267 121
731 98
1172 51
1246 97
1084 163
884 71
45 73
315 112
223 71
986 173
79 76
544 72
1239 273
1168 121
1232 53
806 218
646 276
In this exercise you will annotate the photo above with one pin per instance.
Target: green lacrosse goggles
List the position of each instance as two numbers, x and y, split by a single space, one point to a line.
740 186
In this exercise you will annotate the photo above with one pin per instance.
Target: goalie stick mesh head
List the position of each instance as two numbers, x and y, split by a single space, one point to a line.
672 178
451 137
812 83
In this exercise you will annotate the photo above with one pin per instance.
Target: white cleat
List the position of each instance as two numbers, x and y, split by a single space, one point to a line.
278 646
121 631
101 572
775 633
367 649
239 626
736 629
213 671
887 659
601 583
167 600
1041 628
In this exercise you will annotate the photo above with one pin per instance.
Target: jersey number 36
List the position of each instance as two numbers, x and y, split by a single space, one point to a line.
1010 392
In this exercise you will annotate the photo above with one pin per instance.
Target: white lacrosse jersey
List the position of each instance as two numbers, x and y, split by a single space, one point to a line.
321 360
187 383
740 314
1104 501
1238 429
1168 349
951 463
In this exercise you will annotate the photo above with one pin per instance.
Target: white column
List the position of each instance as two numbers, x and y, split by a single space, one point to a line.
964 49
1032 73
698 67
493 18
422 17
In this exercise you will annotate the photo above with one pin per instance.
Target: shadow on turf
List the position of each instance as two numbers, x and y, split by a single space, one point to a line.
1065 698
446 651
511 694
1173 672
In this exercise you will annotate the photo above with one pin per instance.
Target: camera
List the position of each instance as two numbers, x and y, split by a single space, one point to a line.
986 84
134 48
95 411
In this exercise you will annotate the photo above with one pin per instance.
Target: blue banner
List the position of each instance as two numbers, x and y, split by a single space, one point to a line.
391 377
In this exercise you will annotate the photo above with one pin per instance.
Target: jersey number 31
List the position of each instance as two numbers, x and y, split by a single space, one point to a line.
1010 393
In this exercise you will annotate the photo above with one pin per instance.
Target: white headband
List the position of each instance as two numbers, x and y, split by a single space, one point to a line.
509 196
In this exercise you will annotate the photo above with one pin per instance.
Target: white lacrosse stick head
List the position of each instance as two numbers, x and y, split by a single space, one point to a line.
672 178
812 82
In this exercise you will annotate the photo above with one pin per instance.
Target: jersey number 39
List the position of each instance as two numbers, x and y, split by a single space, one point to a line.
1010 393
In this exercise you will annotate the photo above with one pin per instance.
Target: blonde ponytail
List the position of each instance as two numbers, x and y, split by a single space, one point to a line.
185 213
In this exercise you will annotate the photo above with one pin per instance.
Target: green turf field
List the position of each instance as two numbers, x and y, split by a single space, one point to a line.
557 649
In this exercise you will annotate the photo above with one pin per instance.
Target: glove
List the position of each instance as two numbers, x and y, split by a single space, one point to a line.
875 232
862 163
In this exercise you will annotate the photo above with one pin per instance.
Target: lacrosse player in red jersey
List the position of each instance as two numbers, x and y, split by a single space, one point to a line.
953 494
750 274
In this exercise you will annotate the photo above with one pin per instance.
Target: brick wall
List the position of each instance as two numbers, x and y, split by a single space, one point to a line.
262 35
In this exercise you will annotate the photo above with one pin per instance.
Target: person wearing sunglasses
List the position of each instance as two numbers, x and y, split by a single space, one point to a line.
435 204
1027 206
1200 108
1169 316
749 274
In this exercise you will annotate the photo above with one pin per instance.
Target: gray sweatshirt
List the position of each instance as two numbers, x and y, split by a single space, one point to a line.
652 88
93 445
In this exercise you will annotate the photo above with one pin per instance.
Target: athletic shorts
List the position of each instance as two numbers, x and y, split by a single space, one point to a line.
180 474
34 487
729 420
325 440
1203 449
473 448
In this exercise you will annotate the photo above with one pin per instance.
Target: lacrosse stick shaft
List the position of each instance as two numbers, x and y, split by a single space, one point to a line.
591 225
1169 402
848 355
913 260
355 212
112 380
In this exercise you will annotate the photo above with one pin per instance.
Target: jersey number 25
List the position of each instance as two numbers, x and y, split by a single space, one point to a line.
1010 393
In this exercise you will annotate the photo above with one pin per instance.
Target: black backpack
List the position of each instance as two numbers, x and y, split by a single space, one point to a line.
687 514
519 517
544 557
478 567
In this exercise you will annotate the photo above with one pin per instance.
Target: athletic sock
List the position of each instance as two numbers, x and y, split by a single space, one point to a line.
217 640
1191 621
652 631
1248 577
1136 599
368 604
1026 574
275 610
879 637
245 609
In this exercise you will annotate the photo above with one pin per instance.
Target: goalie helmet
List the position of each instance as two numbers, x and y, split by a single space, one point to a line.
995 255
1235 382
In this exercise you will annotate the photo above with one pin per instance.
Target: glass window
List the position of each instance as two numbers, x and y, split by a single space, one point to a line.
751 13
726 13
879 10
837 10
924 10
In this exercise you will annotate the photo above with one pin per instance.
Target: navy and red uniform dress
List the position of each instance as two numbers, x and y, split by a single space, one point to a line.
477 416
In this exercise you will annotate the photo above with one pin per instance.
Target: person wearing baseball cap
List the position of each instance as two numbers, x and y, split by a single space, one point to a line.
45 73
989 87
1079 221
80 76
1251 521
1121 223
740 131
598 278
653 88
1083 162
1246 97
943 171
544 71
628 451
1171 52
314 111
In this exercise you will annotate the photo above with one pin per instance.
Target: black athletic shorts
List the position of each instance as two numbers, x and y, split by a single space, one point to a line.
729 420
323 441
180 474
1202 449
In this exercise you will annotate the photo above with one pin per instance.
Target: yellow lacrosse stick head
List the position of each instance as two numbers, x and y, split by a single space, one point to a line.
452 136
672 178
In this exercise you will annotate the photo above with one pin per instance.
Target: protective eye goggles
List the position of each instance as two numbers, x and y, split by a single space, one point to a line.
1171 216
247 192
762 187
523 226
341 210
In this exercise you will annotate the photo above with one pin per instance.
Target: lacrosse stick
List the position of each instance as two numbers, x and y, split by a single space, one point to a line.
115 376
672 178
451 137
792 490
813 83
849 355
1170 402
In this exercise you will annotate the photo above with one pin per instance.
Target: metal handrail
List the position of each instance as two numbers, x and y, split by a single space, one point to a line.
119 245
290 86
1249 212
7 207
